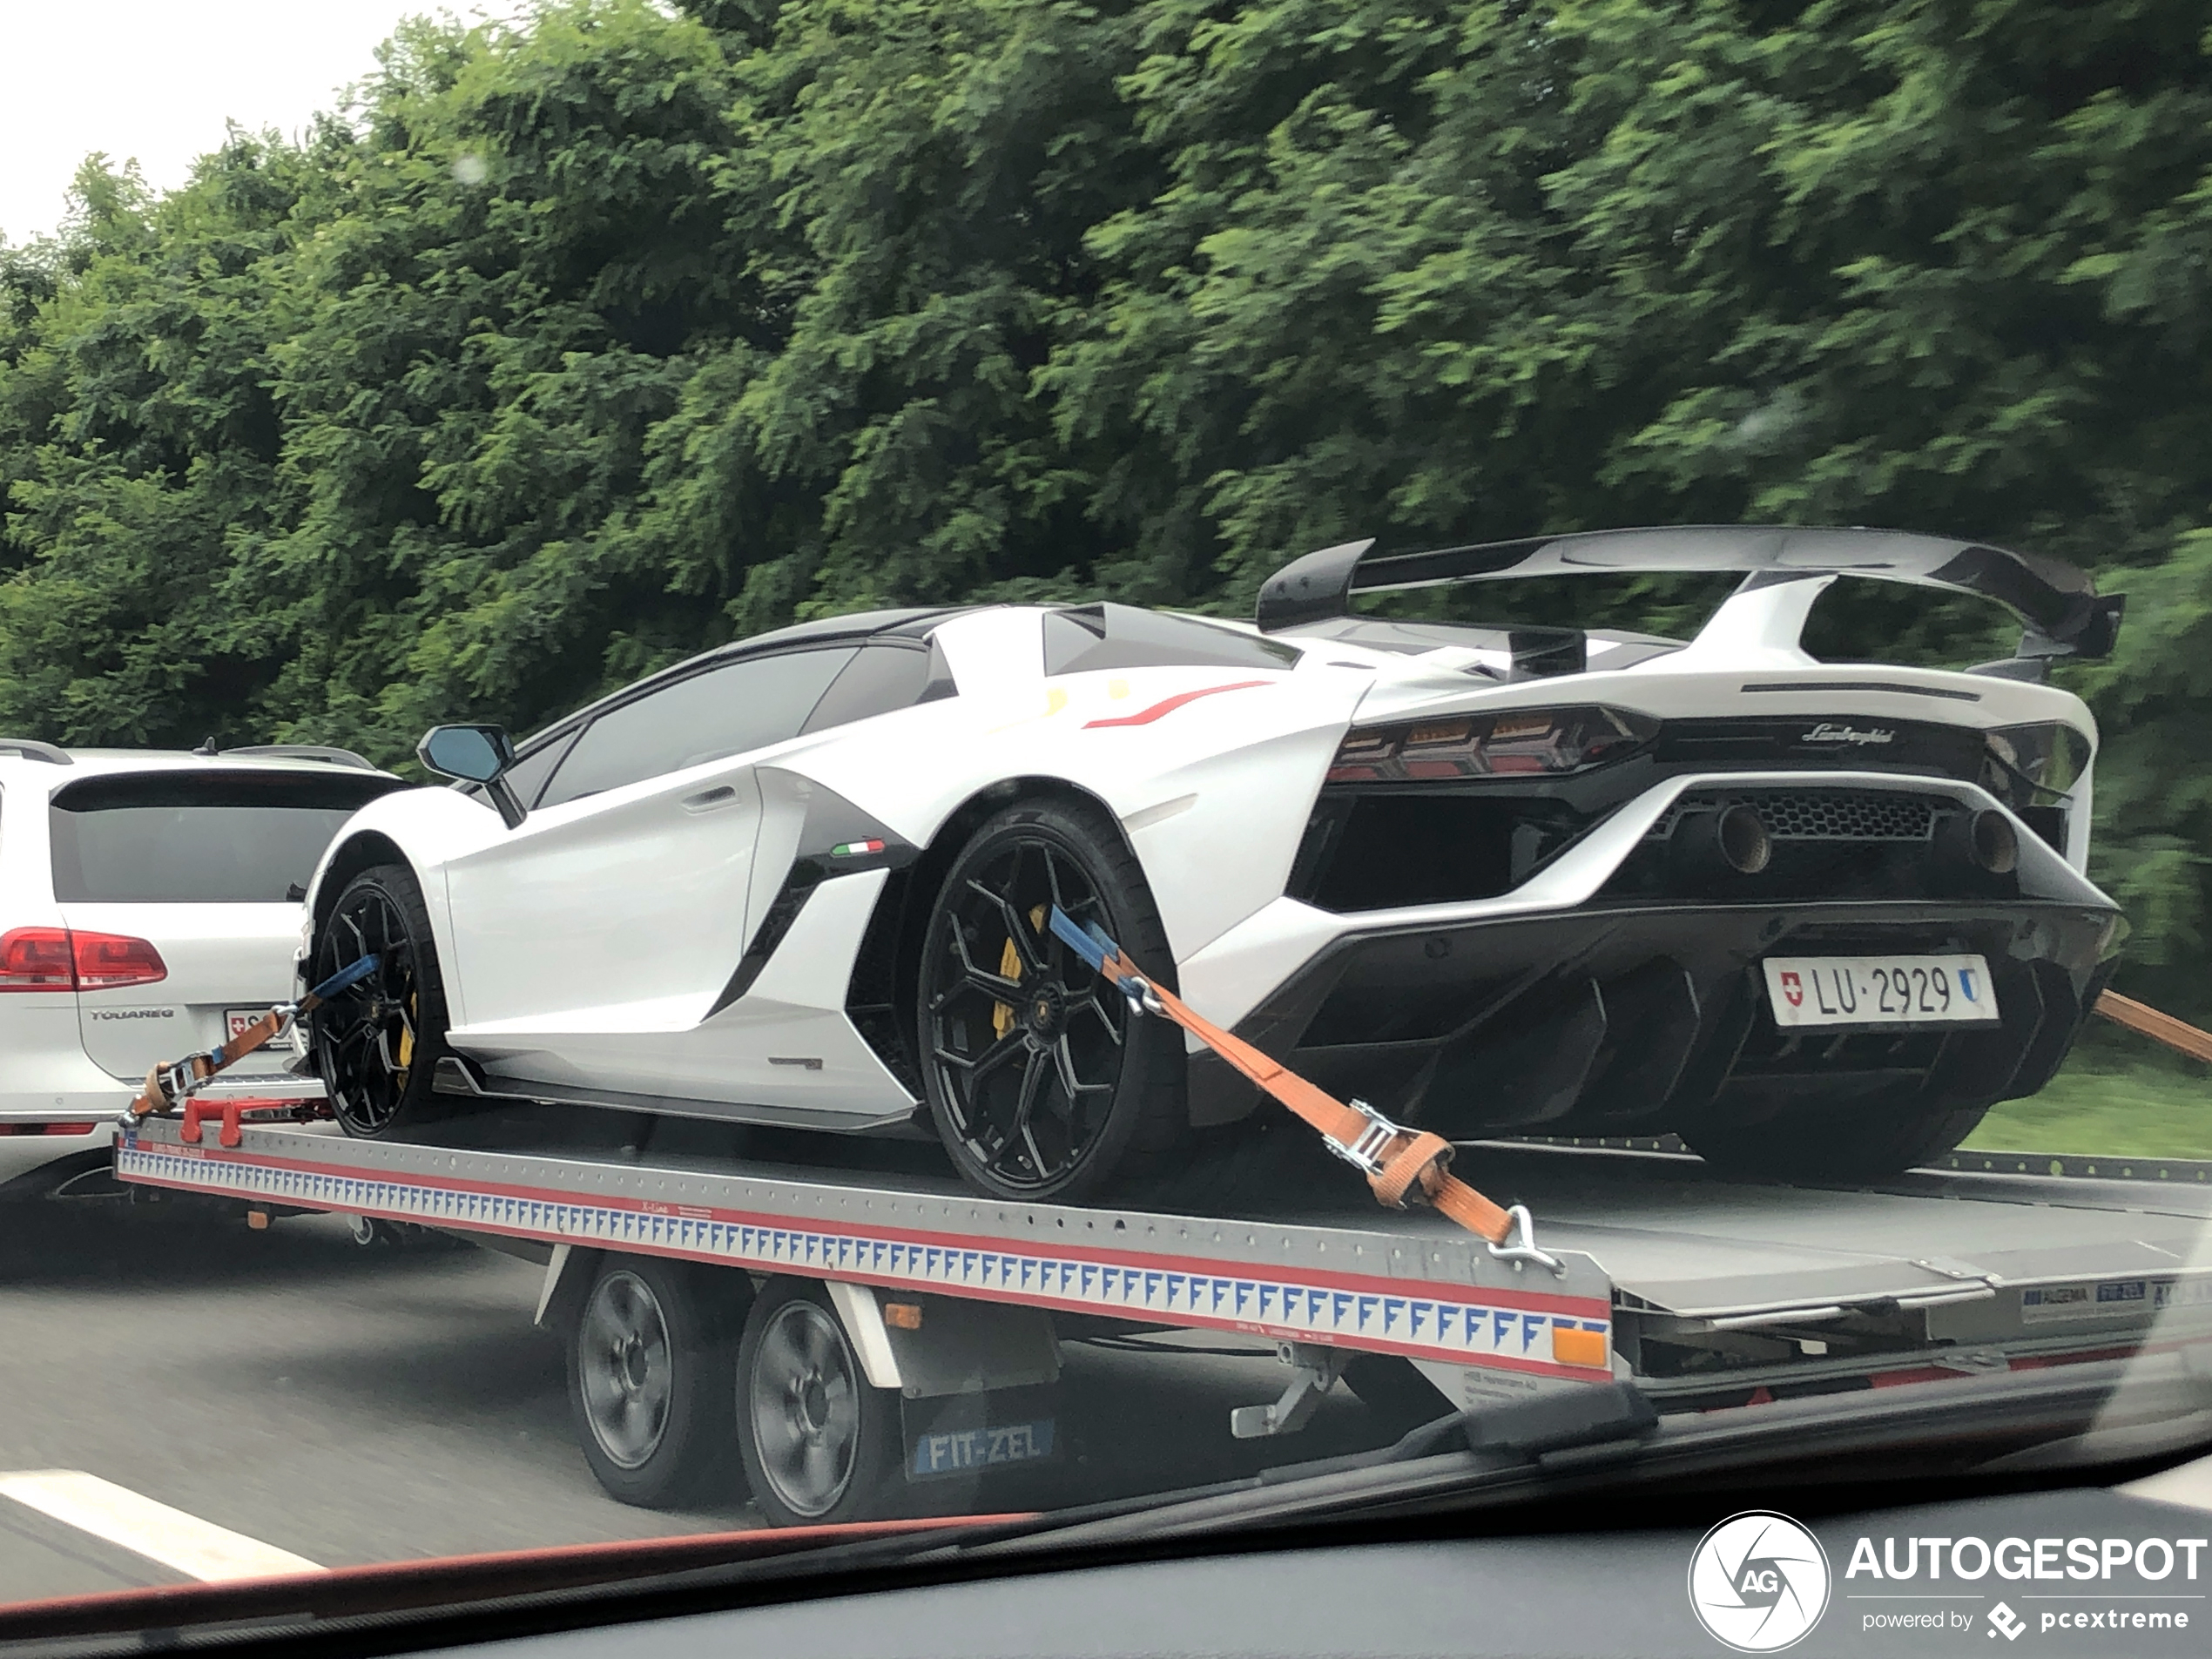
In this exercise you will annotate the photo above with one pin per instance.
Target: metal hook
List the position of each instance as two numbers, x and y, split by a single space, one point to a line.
1141 996
1520 1246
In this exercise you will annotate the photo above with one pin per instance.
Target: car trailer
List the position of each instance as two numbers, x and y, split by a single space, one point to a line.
893 1337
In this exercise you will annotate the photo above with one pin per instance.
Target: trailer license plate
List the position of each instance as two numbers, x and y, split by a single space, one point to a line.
1879 990
958 1450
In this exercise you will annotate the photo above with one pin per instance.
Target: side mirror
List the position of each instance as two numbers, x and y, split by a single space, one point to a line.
474 754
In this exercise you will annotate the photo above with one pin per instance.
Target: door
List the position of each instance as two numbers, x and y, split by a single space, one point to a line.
615 914
192 878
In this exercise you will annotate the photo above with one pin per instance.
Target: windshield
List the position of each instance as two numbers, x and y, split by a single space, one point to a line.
1196 735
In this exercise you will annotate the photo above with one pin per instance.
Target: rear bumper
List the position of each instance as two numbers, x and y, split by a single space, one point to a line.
46 1076
1608 1020
1589 998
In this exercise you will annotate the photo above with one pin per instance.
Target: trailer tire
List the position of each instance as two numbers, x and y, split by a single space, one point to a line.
1864 1139
820 1444
650 1352
377 1044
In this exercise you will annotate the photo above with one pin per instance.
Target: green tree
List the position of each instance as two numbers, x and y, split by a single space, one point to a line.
581 342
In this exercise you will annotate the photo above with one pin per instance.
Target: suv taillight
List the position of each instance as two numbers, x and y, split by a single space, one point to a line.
107 961
36 959
54 958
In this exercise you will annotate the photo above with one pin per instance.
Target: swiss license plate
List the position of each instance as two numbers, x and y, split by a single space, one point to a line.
961 1449
236 1020
1879 990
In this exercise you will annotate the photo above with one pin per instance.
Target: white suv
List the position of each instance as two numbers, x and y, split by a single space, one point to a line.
149 904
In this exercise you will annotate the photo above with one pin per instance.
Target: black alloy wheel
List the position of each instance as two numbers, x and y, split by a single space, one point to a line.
376 1044
1040 1078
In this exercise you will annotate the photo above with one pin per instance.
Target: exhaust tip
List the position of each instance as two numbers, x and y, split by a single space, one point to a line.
1745 847
1993 842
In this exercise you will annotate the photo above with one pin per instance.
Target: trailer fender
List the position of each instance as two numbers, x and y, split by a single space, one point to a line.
567 1270
862 1317
941 1345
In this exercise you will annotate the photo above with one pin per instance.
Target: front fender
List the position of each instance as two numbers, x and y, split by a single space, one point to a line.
423 828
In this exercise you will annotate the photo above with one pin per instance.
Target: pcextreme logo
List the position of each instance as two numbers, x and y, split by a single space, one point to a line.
1758 1581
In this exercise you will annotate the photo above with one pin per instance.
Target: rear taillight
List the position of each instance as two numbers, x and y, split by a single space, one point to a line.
1523 742
36 959
2034 765
107 961
55 959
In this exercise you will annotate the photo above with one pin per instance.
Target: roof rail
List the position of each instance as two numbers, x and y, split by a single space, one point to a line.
32 749
306 752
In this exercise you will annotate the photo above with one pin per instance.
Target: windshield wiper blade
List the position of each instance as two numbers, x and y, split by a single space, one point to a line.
1568 1425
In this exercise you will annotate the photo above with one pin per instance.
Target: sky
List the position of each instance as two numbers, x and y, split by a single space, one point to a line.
156 79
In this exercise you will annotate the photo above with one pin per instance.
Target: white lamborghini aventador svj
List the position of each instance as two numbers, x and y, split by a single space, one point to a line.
1815 918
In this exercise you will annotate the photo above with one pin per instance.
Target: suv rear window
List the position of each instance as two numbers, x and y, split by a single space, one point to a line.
1084 639
199 837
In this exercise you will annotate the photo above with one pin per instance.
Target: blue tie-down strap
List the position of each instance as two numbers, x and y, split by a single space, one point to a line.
1089 940
353 973
345 978
1092 946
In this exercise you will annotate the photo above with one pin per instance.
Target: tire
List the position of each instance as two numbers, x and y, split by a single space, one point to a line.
651 1356
819 1444
1862 1140
377 1044
1041 1084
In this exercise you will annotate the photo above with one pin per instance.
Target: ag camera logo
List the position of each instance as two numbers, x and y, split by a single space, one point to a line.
1758 1581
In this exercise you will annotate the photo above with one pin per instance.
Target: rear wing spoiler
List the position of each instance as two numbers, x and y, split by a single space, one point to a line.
2063 612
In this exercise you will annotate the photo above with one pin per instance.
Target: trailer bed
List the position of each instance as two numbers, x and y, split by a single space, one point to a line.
1702 1289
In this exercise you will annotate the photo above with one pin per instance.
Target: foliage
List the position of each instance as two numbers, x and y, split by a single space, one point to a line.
575 345
2135 1104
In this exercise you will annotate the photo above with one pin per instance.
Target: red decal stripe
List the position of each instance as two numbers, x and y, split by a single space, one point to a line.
1145 717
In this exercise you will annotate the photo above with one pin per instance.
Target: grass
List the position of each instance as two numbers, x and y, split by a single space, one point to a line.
2111 1105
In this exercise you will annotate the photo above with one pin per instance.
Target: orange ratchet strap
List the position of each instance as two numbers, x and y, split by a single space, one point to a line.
2177 1035
1402 1165
173 1085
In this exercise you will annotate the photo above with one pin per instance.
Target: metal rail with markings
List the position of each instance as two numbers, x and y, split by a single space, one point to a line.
1439 1298
1699 1288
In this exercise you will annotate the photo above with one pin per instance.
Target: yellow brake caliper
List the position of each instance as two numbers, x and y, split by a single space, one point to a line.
1010 968
406 1038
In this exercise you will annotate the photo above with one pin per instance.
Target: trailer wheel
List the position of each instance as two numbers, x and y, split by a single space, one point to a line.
819 1443
377 1043
1042 1084
649 1369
